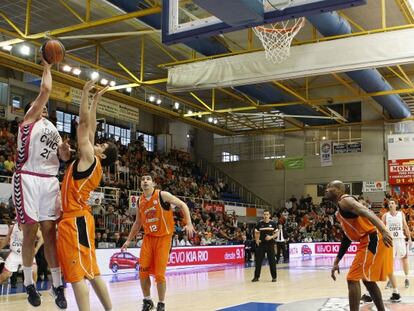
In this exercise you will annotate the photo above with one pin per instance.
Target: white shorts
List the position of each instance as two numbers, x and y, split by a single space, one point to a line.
400 248
36 198
14 262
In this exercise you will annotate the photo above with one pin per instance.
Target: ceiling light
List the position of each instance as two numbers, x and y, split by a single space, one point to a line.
94 75
67 68
25 50
176 105
215 121
112 83
323 137
210 119
129 89
159 101
190 111
151 98
188 135
7 48
104 81
76 71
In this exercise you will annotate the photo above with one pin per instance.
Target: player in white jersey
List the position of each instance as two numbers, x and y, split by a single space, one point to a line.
36 188
14 260
396 223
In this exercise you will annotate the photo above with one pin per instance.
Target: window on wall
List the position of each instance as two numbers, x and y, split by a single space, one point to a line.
344 140
249 147
149 141
116 132
64 121
228 157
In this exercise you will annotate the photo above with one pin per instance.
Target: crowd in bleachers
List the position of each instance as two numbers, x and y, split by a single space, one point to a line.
302 220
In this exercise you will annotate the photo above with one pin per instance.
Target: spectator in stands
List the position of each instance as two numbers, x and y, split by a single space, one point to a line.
9 165
118 240
184 241
98 238
175 241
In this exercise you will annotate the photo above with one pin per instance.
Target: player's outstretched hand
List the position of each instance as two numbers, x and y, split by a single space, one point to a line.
387 237
334 268
189 229
125 246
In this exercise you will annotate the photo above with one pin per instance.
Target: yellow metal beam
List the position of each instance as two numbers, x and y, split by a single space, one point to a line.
87 25
71 10
129 73
304 100
351 21
141 75
122 86
201 101
383 14
12 24
213 99
28 15
405 9
88 11
19 64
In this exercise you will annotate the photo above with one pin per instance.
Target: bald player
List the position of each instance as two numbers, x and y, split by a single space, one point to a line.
373 261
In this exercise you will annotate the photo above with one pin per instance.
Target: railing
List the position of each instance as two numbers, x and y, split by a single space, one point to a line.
201 201
234 186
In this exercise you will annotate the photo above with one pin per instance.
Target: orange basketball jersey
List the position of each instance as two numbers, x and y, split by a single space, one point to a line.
75 193
156 220
357 227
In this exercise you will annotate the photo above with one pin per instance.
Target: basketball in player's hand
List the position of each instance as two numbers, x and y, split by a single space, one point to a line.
53 51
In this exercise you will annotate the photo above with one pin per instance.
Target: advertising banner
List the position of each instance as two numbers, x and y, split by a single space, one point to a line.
301 250
374 186
401 172
326 153
112 261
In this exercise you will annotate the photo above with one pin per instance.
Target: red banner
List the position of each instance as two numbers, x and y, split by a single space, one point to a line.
333 248
193 256
214 207
401 172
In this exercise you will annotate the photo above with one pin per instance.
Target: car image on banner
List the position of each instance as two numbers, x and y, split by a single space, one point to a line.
123 260
112 261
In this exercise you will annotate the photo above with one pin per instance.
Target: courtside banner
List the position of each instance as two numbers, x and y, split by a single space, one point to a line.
299 250
112 261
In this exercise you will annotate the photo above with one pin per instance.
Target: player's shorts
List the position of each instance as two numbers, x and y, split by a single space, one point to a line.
14 262
400 248
154 255
36 198
373 261
76 248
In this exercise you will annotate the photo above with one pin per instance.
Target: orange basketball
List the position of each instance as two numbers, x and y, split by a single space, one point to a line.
53 51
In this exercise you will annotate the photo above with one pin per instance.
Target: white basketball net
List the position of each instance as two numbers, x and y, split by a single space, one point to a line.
277 38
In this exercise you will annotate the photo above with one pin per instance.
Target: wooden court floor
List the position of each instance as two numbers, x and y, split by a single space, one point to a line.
190 290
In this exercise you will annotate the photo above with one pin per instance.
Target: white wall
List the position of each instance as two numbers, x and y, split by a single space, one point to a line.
179 132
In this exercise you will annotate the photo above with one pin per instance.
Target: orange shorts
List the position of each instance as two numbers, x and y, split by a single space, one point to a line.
154 256
76 248
373 261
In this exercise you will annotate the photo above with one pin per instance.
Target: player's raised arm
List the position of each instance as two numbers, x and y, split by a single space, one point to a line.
92 113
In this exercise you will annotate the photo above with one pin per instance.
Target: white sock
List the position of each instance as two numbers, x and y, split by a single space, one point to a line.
147 298
28 275
395 291
161 301
56 277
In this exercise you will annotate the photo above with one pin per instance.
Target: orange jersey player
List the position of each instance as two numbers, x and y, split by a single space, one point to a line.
373 261
76 230
155 215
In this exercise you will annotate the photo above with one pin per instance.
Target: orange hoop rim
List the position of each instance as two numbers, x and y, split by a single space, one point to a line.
282 30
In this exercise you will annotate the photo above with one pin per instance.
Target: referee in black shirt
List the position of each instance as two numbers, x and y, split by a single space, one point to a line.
265 234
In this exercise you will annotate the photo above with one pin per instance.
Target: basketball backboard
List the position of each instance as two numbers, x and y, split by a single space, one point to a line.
185 20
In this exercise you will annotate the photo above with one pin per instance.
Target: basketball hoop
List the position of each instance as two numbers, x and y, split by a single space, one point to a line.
277 38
